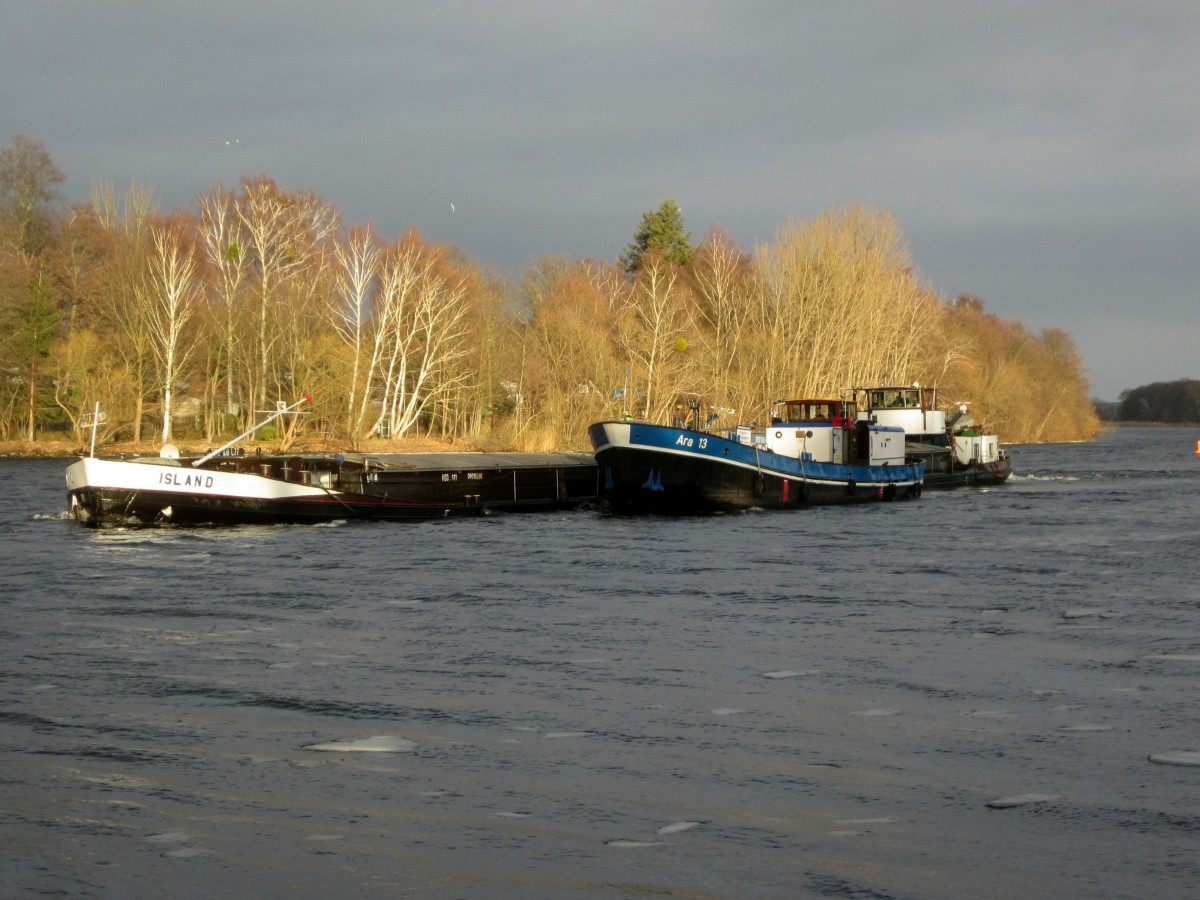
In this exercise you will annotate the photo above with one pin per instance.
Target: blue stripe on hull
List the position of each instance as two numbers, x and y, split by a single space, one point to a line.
675 471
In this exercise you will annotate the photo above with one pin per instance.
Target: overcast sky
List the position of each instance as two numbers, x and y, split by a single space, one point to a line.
1043 156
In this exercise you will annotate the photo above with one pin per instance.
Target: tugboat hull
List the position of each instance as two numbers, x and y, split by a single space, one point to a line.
647 468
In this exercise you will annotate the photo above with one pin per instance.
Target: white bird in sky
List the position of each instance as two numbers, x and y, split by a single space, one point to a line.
451 207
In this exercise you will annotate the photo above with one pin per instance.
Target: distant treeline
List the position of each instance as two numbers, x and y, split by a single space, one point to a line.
189 324
1172 402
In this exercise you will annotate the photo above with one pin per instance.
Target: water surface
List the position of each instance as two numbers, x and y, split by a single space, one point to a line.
958 696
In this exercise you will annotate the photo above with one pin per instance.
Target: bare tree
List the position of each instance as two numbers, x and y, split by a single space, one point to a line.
126 218
169 295
424 313
724 288
359 259
284 234
657 325
223 240
29 181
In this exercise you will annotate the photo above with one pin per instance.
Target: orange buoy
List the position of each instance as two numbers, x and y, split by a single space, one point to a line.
1198 447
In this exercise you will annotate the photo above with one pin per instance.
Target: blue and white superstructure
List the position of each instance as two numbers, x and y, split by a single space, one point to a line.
814 452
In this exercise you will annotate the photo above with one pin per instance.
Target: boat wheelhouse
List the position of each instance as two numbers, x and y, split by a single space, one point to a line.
955 452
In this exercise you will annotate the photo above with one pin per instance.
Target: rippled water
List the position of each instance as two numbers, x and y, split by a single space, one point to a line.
957 696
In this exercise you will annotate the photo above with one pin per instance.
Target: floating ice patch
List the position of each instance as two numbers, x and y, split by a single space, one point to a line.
789 673
382 743
186 852
676 827
624 843
1021 800
727 711
170 837
510 815
560 735
1086 728
1177 758
876 712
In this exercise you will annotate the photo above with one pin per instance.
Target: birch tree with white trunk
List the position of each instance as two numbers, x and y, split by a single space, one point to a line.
169 294
359 258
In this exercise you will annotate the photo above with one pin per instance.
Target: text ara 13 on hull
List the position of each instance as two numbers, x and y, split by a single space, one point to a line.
815 452
955 452
230 487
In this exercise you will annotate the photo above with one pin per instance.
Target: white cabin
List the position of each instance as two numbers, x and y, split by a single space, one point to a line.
912 408
827 431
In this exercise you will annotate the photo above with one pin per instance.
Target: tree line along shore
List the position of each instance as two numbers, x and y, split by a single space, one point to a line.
185 325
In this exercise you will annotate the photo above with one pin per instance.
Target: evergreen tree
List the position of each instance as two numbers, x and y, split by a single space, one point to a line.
662 230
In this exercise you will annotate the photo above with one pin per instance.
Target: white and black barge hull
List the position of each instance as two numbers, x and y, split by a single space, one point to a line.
237 490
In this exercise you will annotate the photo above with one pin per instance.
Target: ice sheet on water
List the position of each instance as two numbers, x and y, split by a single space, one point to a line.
186 852
1176 758
382 743
169 837
789 673
676 827
1020 800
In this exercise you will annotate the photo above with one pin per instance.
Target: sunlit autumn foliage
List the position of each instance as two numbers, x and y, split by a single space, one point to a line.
188 326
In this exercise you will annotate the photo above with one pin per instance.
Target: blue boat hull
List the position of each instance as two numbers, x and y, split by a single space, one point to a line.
648 468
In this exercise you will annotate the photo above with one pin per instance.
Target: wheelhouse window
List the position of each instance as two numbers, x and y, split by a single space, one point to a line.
891 398
809 411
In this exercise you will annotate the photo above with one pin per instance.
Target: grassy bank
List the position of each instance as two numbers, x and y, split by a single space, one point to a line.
69 449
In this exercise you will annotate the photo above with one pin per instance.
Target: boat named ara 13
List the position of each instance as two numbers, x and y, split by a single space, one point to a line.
815 452
953 449
228 486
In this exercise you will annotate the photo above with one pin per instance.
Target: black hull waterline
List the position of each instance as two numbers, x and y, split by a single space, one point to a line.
944 472
314 489
673 478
